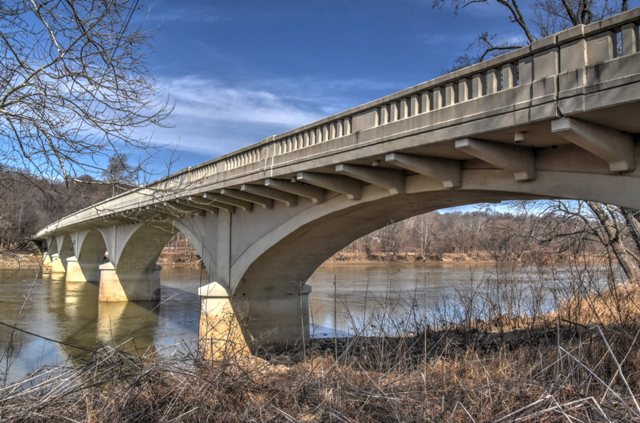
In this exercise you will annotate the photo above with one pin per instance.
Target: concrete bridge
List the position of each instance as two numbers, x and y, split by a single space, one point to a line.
558 119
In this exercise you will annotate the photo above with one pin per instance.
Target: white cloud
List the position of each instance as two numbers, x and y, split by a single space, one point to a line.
212 117
209 99
184 14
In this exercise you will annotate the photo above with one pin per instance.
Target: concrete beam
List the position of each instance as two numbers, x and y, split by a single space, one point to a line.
392 180
218 198
141 214
288 199
342 184
203 207
315 194
449 172
176 209
209 201
616 147
182 206
265 203
520 160
160 210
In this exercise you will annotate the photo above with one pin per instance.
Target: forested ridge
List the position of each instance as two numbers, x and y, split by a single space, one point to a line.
28 203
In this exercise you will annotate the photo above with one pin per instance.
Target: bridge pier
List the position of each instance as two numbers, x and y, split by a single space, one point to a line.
46 263
128 286
242 324
220 332
57 265
74 271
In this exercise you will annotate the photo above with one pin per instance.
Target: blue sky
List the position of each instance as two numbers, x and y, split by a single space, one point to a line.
239 71
242 70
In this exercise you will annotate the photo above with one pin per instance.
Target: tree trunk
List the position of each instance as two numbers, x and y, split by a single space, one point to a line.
611 237
632 218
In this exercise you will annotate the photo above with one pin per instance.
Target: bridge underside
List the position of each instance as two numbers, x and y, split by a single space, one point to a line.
558 119
259 260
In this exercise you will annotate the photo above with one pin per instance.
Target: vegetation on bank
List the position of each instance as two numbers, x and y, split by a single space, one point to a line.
575 364
29 203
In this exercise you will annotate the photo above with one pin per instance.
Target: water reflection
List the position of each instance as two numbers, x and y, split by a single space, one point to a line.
396 298
69 312
365 297
130 326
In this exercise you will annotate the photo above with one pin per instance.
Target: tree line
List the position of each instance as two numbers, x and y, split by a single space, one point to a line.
533 230
29 202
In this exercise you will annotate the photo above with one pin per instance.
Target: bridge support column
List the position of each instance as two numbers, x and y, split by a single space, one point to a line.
220 332
46 263
128 286
74 271
242 324
57 266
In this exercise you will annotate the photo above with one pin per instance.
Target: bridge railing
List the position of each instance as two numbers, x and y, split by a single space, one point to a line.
557 67
564 56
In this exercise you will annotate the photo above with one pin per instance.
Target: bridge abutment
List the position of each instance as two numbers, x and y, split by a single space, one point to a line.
128 286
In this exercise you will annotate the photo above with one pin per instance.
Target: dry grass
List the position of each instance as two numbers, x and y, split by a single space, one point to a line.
580 364
562 373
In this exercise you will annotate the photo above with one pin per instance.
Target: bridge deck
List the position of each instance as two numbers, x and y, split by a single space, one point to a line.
588 72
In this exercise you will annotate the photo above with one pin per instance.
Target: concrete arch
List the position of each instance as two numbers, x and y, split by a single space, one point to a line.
191 227
142 249
132 273
292 250
267 278
52 245
91 253
66 249
61 248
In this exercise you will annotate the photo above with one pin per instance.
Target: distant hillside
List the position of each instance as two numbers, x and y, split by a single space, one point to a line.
27 203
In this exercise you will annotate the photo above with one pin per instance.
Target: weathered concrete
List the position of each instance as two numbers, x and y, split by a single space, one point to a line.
121 286
74 271
57 265
235 324
220 330
46 263
557 119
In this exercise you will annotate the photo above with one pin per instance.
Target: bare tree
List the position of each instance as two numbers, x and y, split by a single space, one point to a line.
544 17
121 174
74 86
534 19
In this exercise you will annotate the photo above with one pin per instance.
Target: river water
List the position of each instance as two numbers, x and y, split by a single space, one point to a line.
372 298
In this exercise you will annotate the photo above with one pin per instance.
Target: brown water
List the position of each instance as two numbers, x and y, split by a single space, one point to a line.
370 298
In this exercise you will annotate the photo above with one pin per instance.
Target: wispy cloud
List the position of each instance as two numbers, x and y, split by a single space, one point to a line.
214 117
209 99
185 14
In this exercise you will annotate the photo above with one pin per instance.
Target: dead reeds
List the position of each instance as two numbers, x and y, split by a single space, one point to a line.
494 355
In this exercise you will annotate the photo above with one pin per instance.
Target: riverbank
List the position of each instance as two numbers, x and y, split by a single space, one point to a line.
544 374
582 361
20 260
17 260
410 257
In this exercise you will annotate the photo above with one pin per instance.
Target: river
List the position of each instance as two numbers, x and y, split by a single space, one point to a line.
371 298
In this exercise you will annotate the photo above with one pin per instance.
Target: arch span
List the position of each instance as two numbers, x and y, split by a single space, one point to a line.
132 272
273 268
61 251
90 254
